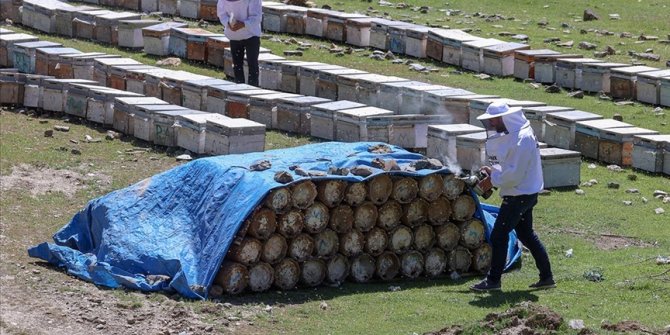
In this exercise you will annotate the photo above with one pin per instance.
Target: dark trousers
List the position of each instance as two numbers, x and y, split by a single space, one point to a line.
516 213
252 46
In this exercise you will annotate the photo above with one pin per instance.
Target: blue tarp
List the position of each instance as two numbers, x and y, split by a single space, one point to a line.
171 231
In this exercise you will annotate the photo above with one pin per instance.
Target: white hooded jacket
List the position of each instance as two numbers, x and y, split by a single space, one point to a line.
516 168
248 11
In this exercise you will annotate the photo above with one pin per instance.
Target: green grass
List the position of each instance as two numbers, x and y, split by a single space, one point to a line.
632 289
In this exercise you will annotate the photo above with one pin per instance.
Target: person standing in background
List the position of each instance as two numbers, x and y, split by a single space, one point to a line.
242 26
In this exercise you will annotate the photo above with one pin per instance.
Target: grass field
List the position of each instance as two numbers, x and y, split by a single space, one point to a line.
620 241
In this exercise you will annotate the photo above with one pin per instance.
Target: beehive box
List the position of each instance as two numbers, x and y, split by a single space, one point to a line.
228 67
83 25
12 87
472 57
6 43
390 94
189 9
379 37
537 116
80 65
293 114
664 91
587 135
107 26
43 14
569 71
270 73
524 62
143 116
596 76
153 80
191 132
308 74
217 94
648 152
165 131
157 37
31 91
471 151
416 40
124 108
100 104
560 127
324 117
545 67
135 78
437 103
11 10
54 93
216 46
666 159
169 7
327 82
295 19
46 59
499 58
207 10
194 92
648 88
238 102
134 5
616 144
64 17
369 87
274 17
478 106
352 124
560 167
118 74
397 37
316 22
6 31
336 28
441 142
623 81
190 43
102 68
412 97
149 6
407 131
263 108
130 32
171 85
358 31
289 76
77 99
24 54
233 136
452 41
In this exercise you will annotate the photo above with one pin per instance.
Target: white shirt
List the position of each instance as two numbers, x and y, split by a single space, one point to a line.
248 11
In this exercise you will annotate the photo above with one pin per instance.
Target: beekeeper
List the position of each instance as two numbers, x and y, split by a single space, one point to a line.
242 26
515 169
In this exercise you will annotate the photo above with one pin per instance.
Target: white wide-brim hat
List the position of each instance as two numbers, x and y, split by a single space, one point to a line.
497 109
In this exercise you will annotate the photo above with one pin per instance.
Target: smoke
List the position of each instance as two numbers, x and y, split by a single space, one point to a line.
452 165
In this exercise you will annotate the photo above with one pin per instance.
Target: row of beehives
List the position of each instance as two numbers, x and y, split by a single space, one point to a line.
557 126
451 46
333 230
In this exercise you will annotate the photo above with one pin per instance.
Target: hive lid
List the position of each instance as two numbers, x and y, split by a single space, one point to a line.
164 27
633 69
575 115
115 61
602 124
656 74
506 47
478 44
623 131
57 51
547 153
116 16
184 76
537 52
137 23
198 83
455 129
36 44
425 88
546 109
304 100
200 119
363 112
249 93
578 60
654 138
140 100
176 112
448 92
603 65
338 105
273 97
473 137
17 37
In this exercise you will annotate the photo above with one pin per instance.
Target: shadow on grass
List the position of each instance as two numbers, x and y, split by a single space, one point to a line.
496 299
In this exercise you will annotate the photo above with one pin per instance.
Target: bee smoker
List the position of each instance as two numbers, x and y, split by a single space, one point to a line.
480 182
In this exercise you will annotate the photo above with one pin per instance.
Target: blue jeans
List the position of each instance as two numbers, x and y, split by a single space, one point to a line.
516 213
252 47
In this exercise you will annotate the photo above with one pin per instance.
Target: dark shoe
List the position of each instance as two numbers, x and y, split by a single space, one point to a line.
543 284
485 286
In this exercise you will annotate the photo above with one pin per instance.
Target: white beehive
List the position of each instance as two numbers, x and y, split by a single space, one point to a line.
416 39
190 43
412 98
118 73
648 152
369 87
270 73
290 81
169 7
499 58
81 66
324 117
537 116
143 116
216 50
442 140
596 76
407 131
569 71
352 123
149 6
24 54
615 145
102 68
135 78
233 136
100 104
194 92
295 19
106 26
524 62
153 80
217 94
83 25
436 103
316 22
397 37
31 92
130 32
54 92
171 85
293 114
379 37
336 28
327 82
587 135
560 167
165 131
358 31
191 131
125 107
623 81
545 67
46 59
189 9
238 102
390 94
274 17
263 108
157 37
664 91
560 127
64 17
308 74
473 53
452 42
471 151
77 99
649 86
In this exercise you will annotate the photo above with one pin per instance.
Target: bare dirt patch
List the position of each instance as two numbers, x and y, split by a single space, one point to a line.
40 181
606 241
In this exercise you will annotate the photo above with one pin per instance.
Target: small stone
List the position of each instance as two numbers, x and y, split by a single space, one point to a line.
389 55
293 53
545 192
625 103
613 185
520 37
551 40
579 192
227 305
567 44
170 61
647 56
576 94
586 184
586 45
483 76
88 138
73 141
610 51
552 89
535 85
660 193
362 171
48 133
417 67
625 34
283 177
112 135
592 166
184 157
659 210
394 288
614 17
543 23
261 165
644 37
323 305
590 15
632 177
617 117
576 324
627 203
600 54
75 151
604 96
64 129
593 181
645 200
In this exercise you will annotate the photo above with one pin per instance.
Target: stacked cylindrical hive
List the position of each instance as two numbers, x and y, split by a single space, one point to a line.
317 231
